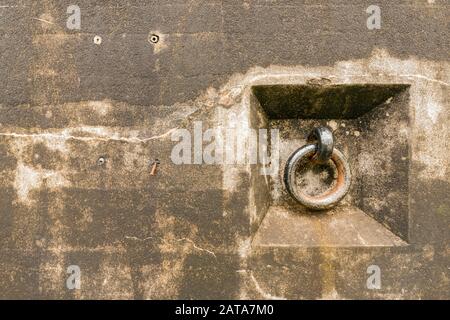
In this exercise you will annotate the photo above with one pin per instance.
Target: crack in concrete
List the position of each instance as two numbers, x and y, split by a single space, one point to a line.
139 239
274 75
71 137
262 292
197 247
176 240
42 20
422 77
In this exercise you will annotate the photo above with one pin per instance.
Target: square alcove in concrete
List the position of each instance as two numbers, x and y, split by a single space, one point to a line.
370 126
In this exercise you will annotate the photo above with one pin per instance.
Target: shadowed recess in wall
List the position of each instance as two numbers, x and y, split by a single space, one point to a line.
323 102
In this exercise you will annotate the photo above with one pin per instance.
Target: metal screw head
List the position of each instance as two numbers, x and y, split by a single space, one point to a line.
154 38
101 161
97 40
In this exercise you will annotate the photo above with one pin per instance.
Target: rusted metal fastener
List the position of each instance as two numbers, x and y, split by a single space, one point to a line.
324 139
320 151
154 167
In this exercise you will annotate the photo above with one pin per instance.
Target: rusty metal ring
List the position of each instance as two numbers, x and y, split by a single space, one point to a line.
324 139
331 197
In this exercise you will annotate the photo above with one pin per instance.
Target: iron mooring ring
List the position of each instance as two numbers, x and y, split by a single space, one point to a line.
318 153
325 143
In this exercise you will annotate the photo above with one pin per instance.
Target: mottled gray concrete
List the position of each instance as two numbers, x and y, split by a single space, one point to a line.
188 231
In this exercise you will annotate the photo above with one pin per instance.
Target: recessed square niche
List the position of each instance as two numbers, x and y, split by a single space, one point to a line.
370 125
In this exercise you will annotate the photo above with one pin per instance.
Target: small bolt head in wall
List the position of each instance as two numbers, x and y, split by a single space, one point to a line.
101 161
154 38
155 164
97 40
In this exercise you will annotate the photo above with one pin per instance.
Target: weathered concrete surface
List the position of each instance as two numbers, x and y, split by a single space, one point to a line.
187 232
343 226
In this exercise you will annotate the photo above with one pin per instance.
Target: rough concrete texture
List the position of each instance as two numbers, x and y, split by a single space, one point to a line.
81 123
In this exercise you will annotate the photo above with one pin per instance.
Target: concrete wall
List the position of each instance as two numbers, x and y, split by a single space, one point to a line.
193 231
